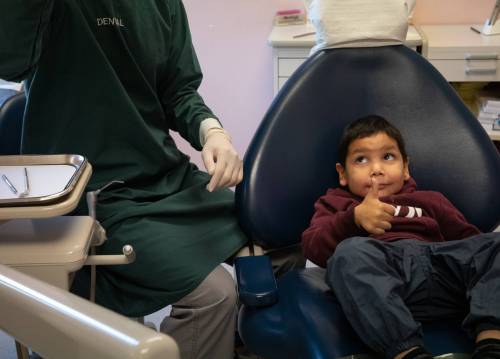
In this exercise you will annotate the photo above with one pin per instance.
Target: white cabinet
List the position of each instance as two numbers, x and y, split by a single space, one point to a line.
467 71
457 52
287 65
286 60
290 51
461 54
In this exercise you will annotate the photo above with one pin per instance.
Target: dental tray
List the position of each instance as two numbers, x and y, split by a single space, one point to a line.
55 184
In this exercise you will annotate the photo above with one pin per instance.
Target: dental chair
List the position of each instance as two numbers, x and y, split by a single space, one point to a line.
5 94
291 162
59 324
11 122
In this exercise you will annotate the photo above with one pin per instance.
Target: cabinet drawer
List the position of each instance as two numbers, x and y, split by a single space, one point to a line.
464 70
287 66
462 53
281 82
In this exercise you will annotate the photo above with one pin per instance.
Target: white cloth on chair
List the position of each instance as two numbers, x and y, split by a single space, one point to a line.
359 23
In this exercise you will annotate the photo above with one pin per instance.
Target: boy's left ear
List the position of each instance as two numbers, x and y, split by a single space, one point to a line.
406 169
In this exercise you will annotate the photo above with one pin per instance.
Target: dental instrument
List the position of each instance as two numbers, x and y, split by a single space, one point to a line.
26 191
9 184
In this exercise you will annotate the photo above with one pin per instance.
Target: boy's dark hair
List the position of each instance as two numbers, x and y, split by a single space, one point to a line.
368 126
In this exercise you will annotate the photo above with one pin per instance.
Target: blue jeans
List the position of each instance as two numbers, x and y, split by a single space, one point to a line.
385 289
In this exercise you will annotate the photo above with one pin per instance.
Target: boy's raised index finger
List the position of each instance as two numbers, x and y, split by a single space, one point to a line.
374 188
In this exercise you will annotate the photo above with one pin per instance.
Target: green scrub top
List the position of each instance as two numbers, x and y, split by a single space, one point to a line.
108 79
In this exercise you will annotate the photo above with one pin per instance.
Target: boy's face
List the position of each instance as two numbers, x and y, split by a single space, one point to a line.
374 157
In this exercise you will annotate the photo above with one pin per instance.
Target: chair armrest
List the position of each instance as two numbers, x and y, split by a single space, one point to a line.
256 283
58 324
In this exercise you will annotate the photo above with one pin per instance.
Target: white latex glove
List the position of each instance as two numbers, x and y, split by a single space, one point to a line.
221 161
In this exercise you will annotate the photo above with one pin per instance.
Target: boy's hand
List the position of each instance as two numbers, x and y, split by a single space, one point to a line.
371 214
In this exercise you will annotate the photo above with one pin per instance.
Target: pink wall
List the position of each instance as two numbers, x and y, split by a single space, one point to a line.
452 11
230 37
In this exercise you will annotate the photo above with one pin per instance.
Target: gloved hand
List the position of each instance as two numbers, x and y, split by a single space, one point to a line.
221 160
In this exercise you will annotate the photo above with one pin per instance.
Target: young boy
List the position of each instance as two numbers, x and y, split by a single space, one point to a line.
395 255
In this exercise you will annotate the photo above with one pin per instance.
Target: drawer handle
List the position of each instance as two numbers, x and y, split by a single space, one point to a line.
486 70
491 56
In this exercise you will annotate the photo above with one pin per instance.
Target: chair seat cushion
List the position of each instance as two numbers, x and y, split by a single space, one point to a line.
307 322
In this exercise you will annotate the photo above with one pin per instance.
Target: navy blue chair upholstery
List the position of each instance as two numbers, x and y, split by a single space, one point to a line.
291 162
11 123
6 94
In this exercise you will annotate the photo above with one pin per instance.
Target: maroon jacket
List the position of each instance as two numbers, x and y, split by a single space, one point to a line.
422 215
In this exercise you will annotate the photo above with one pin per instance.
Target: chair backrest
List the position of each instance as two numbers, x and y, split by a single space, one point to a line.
11 124
291 159
6 94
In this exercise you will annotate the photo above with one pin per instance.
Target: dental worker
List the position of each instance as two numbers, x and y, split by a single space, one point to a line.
108 79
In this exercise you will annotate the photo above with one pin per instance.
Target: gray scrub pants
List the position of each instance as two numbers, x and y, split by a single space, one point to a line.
203 323
386 288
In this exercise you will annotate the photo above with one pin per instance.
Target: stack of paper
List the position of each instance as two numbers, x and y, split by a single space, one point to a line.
489 112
